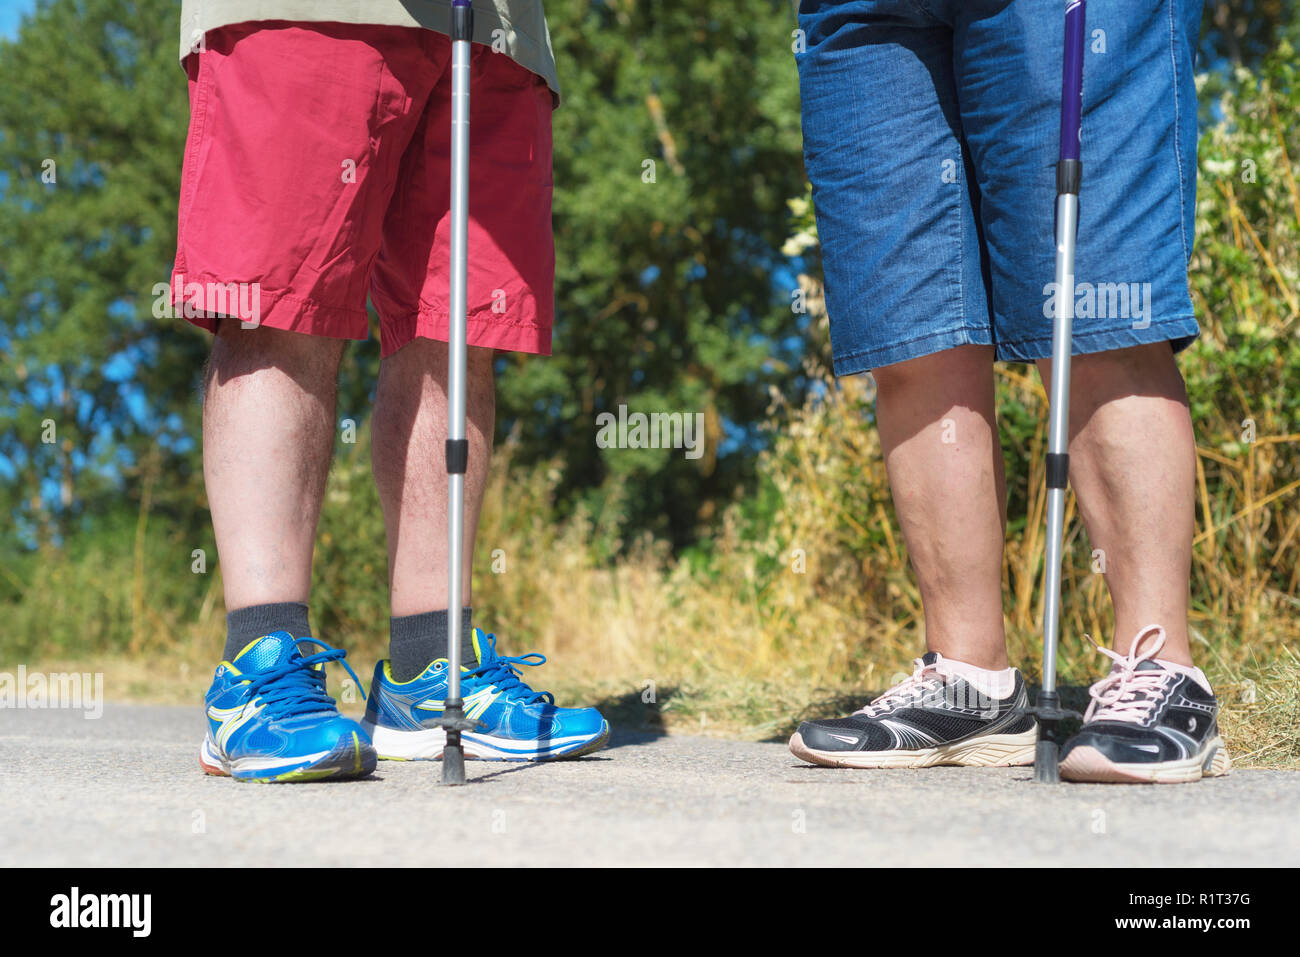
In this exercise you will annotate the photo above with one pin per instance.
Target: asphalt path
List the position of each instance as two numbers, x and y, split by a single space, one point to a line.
126 789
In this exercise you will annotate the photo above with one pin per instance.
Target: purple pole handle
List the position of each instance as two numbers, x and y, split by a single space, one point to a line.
462 20
1072 80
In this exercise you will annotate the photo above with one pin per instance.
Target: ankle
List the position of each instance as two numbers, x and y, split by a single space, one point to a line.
244 625
992 660
414 641
994 682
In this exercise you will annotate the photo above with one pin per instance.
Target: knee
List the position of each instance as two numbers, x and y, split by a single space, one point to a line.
963 371
239 351
1138 370
423 357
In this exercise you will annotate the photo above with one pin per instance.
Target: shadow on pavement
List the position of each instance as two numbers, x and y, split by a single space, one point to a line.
633 721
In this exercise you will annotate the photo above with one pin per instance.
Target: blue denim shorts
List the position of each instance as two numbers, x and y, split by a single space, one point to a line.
931 133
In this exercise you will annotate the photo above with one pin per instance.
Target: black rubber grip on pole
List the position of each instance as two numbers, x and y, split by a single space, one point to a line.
462 23
457 456
1069 176
1058 469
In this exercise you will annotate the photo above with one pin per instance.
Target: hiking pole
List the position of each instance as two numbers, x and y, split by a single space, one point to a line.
453 718
1047 709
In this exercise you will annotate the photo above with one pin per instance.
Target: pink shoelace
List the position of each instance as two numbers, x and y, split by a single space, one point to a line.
908 690
1127 694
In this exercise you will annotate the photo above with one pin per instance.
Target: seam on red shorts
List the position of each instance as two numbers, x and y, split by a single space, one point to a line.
193 146
306 315
498 332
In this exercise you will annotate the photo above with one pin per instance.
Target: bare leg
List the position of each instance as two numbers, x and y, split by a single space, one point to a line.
1133 468
408 432
940 439
268 434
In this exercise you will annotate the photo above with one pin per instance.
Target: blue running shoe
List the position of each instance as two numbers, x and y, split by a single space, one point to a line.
516 723
271 719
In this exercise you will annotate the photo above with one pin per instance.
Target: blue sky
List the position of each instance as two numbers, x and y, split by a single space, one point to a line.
11 11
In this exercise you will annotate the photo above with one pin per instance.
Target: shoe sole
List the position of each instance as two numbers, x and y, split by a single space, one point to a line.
1088 765
985 751
352 757
427 744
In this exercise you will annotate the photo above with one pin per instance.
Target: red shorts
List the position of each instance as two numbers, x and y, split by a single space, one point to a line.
317 170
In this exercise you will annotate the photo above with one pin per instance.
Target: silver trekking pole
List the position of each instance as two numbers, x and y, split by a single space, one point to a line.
453 715
1047 709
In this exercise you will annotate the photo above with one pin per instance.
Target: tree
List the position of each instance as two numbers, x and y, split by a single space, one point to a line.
1242 32
677 145
94 392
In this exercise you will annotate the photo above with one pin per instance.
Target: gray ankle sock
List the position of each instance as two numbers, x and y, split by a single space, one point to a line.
245 624
414 641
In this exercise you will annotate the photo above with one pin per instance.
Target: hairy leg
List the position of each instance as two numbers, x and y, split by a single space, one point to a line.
268 435
408 433
940 439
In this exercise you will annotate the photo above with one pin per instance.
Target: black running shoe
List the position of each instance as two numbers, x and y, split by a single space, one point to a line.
1146 724
932 717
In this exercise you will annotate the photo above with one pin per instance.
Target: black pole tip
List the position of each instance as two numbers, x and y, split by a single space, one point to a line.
453 765
1047 759
453 752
